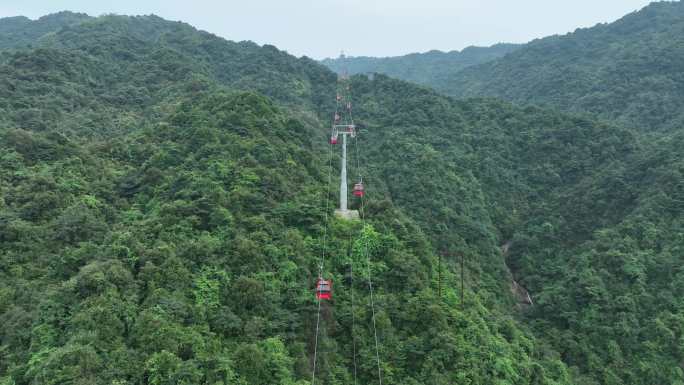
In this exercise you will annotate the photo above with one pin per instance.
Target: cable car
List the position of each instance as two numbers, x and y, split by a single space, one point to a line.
333 139
358 190
324 288
337 118
339 98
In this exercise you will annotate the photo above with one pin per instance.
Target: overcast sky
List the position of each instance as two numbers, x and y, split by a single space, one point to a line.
321 28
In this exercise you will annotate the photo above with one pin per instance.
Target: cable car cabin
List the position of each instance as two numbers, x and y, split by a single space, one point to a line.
324 288
337 118
333 140
358 190
339 98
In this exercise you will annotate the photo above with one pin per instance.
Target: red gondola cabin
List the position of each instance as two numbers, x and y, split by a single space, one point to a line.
324 288
358 190
333 140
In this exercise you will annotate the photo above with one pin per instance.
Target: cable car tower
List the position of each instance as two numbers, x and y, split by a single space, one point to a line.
343 125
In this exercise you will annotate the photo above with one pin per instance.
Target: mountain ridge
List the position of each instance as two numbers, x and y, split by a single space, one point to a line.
162 221
633 60
19 31
417 67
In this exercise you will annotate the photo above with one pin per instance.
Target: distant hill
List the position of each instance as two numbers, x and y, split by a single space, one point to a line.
20 31
429 68
100 57
630 71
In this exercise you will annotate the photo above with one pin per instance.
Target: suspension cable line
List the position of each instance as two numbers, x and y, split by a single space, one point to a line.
370 289
348 121
368 261
322 260
351 290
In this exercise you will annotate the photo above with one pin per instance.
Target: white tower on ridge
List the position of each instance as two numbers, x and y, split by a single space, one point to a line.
344 126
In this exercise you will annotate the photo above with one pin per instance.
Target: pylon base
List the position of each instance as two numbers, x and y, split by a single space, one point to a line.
349 215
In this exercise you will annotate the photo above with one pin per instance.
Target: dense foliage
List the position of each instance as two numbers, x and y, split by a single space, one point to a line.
629 71
20 31
163 213
593 214
431 68
161 222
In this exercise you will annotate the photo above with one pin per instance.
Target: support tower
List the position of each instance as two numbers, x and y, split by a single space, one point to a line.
343 125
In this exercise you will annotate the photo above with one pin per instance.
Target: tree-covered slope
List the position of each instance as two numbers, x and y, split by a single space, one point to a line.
97 69
20 31
621 288
161 225
430 68
629 71
185 253
591 213
163 213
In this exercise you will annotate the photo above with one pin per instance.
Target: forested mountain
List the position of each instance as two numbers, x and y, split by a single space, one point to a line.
163 212
20 31
162 220
430 68
593 214
629 71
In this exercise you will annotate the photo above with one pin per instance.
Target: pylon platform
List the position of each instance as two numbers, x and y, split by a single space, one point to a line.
347 214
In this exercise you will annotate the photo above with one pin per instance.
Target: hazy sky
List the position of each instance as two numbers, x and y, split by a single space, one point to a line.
321 28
